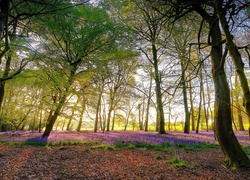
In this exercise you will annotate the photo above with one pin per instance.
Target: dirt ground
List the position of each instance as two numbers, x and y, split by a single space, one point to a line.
79 162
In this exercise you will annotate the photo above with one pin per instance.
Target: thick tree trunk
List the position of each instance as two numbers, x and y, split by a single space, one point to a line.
234 154
52 120
236 57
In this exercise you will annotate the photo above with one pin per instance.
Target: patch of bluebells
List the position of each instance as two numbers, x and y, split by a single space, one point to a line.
116 137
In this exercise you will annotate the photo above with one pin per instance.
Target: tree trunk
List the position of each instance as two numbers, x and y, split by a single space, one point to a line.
148 100
109 118
81 117
237 104
234 154
113 121
200 104
111 106
52 119
98 109
169 114
236 57
191 106
139 115
185 99
73 113
2 84
205 109
158 92
209 109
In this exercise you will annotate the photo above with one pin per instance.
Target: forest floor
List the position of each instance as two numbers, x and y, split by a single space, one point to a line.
61 162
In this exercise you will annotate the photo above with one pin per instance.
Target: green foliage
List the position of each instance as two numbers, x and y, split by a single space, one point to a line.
247 149
159 156
201 146
167 147
72 143
177 162
103 146
5 142
35 143
145 146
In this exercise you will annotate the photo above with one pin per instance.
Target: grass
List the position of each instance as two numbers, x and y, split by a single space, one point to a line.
177 162
95 144
201 146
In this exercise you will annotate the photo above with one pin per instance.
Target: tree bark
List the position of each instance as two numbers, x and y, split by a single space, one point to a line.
52 120
113 121
148 100
191 106
185 99
200 103
81 117
236 57
234 154
160 110
237 104
98 109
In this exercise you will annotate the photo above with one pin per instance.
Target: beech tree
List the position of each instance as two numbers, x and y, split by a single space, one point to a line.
215 13
68 43
15 33
149 25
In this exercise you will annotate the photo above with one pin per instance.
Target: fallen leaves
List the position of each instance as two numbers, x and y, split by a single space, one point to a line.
74 162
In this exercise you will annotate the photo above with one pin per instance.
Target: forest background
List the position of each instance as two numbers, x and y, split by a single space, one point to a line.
105 65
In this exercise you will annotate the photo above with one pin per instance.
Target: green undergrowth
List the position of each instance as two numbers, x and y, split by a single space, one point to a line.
178 162
74 143
167 147
96 144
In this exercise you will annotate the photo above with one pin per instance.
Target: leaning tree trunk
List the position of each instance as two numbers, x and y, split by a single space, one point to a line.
236 57
52 120
234 154
2 85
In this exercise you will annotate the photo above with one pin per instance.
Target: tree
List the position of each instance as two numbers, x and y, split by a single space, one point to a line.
15 29
121 68
149 26
234 155
182 36
232 9
68 44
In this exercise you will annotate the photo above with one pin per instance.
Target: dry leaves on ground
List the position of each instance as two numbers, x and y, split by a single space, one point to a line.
81 162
